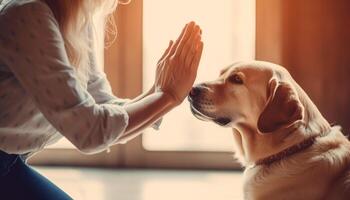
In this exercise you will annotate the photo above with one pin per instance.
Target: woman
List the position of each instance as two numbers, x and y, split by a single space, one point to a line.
51 87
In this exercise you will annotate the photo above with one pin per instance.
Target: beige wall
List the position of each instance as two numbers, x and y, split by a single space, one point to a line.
123 59
312 39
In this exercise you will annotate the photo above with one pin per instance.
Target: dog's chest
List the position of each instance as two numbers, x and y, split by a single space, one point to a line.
279 185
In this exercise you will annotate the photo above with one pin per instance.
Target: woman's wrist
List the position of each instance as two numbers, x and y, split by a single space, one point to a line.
143 95
145 112
169 99
151 90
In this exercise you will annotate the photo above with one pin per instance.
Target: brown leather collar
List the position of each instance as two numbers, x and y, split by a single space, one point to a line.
287 152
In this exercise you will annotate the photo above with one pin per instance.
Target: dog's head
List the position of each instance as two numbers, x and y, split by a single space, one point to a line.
259 100
248 93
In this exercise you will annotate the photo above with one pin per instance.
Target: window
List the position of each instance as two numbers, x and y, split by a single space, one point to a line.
228 35
144 29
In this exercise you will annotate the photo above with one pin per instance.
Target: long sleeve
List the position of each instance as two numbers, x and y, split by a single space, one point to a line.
100 89
35 53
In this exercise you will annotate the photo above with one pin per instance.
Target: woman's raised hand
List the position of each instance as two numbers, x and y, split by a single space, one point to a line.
177 68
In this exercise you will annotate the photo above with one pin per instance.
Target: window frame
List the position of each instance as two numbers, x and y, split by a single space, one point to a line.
124 58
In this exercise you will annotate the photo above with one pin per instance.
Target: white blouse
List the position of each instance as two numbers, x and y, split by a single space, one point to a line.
41 99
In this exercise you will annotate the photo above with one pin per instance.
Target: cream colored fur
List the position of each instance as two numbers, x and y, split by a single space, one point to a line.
319 172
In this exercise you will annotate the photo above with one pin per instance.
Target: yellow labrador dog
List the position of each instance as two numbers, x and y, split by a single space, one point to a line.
289 150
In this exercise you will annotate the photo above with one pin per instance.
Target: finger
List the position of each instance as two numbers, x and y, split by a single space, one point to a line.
186 42
197 57
184 38
191 53
190 44
178 39
167 50
188 25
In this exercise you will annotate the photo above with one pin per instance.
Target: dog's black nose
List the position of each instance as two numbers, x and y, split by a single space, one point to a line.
195 92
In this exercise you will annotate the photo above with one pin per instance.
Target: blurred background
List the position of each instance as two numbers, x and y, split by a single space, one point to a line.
188 158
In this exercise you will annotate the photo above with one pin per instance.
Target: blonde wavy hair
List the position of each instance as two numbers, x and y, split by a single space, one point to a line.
81 22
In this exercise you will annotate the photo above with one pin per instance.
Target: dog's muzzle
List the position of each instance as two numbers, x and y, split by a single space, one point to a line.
204 108
199 106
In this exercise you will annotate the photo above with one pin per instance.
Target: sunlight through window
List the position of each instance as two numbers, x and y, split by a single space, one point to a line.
228 34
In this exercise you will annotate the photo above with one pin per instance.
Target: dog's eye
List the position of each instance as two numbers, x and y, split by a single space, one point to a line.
236 79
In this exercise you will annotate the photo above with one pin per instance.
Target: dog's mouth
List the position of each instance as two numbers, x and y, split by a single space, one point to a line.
200 115
205 116
222 121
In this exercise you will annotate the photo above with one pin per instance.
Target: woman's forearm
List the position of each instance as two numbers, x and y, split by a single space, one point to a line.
141 96
145 112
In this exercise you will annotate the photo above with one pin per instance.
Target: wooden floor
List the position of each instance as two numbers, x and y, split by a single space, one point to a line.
108 184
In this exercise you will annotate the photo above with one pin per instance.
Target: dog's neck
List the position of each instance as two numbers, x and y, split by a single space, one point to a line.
253 146
287 152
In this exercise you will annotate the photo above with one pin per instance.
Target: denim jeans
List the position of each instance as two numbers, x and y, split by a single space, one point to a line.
18 181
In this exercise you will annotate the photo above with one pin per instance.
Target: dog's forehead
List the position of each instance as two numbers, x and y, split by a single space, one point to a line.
226 69
254 67
242 68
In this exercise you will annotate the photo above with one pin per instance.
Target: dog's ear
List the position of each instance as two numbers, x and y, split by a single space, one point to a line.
282 108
